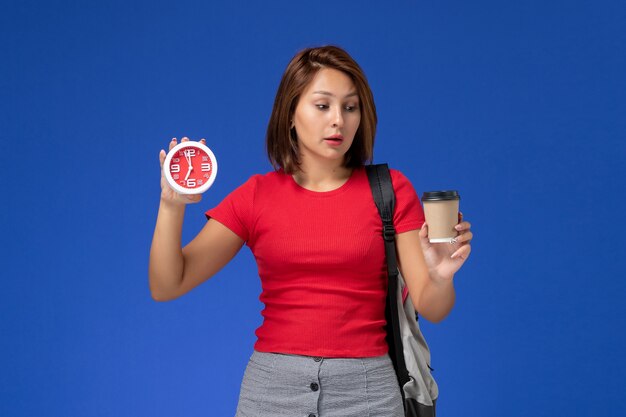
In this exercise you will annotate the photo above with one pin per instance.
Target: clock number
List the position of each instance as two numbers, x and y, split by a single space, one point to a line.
175 168
188 152
206 166
191 182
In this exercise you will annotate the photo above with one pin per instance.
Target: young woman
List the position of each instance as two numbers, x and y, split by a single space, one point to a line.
316 235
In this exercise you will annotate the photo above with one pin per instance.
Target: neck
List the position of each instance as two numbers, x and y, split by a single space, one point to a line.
322 177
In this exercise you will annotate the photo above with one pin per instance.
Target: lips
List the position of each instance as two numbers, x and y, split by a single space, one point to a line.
334 140
335 137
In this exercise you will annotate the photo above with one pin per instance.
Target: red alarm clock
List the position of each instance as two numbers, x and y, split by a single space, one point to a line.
190 168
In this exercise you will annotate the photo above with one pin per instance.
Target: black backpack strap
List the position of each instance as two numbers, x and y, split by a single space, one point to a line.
385 199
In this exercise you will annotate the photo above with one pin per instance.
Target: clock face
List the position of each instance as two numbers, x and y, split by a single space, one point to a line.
190 168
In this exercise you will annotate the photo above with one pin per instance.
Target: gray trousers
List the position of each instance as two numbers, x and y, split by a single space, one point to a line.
304 386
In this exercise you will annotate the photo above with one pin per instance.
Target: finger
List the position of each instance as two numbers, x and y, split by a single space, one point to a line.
203 141
463 226
172 143
194 198
162 157
460 217
185 139
424 231
464 237
463 252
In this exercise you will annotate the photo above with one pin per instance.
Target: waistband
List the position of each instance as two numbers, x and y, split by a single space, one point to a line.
292 361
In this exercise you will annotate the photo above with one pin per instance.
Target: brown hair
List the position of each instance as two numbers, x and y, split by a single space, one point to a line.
281 140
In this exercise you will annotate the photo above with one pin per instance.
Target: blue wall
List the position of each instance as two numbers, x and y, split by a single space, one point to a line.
519 105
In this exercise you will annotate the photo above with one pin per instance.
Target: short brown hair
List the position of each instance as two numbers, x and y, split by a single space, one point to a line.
281 141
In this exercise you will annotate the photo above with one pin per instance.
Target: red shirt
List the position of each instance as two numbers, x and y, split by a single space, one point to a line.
321 260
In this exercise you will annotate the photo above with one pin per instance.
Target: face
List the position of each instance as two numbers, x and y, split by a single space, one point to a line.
327 117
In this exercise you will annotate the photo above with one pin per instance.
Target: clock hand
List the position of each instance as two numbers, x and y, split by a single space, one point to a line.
189 160
188 172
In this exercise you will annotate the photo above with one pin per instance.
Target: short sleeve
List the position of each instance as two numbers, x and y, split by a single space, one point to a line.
236 211
409 213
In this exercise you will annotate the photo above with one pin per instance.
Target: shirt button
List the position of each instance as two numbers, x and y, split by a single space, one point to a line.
317 359
314 387
312 415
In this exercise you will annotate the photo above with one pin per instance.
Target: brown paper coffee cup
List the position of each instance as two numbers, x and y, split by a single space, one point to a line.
441 209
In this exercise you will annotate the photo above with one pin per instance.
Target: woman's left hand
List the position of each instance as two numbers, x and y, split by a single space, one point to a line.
444 259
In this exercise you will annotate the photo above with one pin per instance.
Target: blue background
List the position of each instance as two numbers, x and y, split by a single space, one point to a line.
519 105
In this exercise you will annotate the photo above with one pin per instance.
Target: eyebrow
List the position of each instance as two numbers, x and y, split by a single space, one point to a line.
327 93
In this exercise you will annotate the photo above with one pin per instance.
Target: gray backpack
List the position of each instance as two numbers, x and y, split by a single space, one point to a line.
407 347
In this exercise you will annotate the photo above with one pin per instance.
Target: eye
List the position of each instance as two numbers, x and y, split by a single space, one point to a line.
351 108
322 106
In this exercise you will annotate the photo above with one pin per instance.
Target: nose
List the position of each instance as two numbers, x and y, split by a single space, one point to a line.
338 118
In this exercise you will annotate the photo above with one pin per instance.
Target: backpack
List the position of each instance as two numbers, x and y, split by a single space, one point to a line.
407 346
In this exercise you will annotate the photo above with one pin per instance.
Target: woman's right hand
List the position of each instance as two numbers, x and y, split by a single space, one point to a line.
168 195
